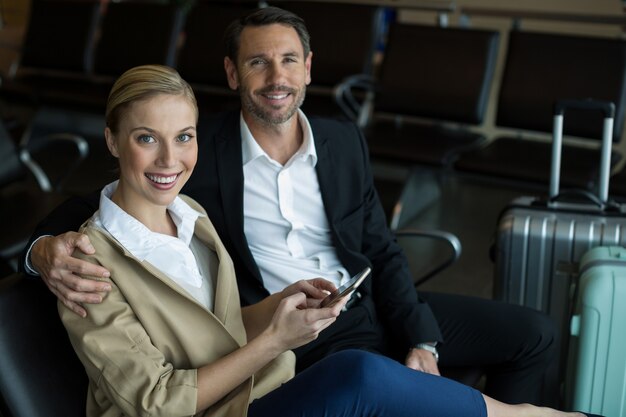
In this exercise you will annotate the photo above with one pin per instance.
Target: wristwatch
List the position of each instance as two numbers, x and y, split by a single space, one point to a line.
429 347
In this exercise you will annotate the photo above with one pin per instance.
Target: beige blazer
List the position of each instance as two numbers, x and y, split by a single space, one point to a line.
141 347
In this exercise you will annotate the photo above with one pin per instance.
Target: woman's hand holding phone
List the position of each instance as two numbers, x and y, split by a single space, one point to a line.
315 290
297 320
346 289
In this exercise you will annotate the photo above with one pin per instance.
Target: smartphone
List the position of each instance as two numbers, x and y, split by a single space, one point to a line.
346 288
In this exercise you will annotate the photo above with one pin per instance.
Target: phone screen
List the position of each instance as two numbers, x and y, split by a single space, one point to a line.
346 288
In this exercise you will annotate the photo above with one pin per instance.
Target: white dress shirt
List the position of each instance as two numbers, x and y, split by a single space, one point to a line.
284 218
174 256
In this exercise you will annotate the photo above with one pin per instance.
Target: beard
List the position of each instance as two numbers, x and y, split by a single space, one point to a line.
269 115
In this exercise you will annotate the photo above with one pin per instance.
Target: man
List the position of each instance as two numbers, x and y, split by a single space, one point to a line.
293 198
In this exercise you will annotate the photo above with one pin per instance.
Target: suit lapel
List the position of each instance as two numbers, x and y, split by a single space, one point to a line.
325 168
230 172
229 164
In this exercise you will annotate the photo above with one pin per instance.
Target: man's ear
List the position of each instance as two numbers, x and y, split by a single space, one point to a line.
307 64
111 143
231 73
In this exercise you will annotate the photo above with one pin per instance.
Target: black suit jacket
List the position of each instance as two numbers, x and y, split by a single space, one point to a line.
359 231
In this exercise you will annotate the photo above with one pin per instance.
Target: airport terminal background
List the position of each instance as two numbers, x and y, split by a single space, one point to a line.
465 202
468 205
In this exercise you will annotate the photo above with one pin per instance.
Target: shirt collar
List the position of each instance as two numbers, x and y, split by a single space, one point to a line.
134 235
250 149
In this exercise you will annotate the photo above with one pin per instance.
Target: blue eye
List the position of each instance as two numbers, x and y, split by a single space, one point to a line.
146 139
185 137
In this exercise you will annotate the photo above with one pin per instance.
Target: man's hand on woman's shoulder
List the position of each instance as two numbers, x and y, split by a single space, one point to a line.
51 256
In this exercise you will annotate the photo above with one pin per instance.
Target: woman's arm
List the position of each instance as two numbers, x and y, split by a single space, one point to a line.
135 375
119 355
292 325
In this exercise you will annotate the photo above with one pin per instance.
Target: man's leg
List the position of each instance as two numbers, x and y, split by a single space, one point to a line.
513 344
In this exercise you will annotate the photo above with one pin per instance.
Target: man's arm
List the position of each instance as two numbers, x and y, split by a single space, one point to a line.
408 317
49 253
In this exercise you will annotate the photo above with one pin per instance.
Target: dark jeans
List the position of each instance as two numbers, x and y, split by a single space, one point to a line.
355 383
512 345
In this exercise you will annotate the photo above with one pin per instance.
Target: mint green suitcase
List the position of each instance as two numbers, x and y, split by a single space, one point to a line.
596 375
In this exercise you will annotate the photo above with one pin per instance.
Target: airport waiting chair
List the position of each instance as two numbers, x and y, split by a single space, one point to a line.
60 36
201 57
40 375
540 69
127 41
433 85
27 191
417 193
131 33
58 45
340 50
6 269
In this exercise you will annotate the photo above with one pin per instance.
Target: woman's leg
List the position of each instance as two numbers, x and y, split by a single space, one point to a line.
355 383
498 409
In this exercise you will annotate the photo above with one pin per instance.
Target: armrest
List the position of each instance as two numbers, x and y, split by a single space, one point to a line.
44 143
450 239
357 110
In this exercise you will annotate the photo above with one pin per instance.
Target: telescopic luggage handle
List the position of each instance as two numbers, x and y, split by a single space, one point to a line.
608 110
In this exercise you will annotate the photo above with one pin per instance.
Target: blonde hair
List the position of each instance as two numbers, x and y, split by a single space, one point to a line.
143 82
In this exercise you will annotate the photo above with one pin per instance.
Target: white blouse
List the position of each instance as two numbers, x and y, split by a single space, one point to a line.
184 258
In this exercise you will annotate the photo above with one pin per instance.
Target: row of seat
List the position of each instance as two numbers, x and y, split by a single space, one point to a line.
439 77
74 49
427 104
426 100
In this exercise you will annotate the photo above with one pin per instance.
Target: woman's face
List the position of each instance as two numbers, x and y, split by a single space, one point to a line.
157 149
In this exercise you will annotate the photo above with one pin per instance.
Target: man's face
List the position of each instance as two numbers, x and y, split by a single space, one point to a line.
271 73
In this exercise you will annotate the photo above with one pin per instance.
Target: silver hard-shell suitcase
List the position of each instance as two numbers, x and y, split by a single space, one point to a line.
540 241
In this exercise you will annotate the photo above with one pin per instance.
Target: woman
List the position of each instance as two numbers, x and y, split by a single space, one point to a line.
171 339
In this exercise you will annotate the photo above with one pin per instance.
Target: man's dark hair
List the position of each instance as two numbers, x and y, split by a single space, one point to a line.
263 17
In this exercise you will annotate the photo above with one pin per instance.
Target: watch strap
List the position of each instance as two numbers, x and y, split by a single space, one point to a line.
432 349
